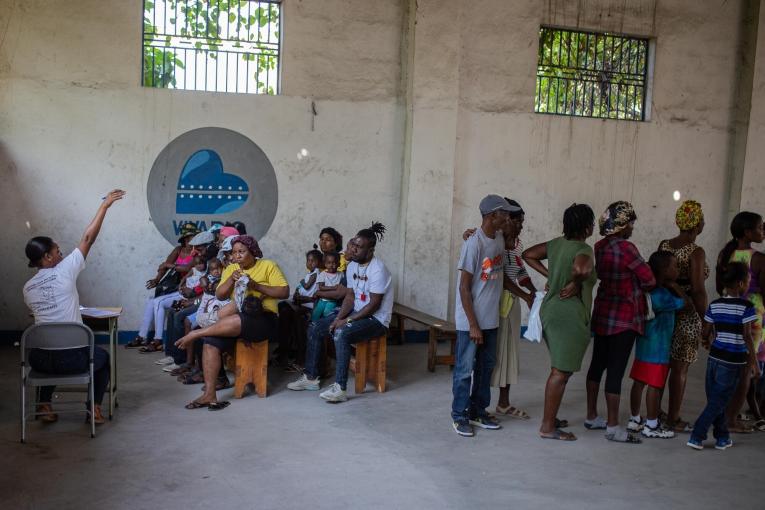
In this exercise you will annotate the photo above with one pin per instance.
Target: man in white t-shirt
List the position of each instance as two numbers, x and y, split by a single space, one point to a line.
364 314
51 295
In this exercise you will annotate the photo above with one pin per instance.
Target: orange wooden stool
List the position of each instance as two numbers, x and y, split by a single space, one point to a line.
369 363
251 368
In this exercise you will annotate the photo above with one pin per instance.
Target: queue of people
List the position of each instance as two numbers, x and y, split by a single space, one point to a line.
657 308
216 287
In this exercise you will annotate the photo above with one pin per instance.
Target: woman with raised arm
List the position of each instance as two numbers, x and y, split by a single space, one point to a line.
566 308
51 295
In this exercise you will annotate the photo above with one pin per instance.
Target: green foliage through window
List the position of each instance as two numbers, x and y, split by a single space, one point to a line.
590 74
212 45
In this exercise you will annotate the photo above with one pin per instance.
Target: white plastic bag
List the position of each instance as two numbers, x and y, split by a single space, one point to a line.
534 330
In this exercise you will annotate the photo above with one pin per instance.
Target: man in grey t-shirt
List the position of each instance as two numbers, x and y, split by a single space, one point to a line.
479 288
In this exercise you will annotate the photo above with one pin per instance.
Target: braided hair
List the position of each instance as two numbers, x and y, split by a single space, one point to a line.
376 232
576 220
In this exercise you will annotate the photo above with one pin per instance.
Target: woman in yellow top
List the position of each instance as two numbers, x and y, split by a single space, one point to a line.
267 283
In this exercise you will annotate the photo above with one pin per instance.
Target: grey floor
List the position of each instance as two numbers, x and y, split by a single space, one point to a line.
392 450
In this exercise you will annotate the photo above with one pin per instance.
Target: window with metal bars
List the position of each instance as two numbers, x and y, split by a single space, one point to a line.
212 45
590 74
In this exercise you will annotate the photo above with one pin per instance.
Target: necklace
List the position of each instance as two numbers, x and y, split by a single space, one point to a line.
360 281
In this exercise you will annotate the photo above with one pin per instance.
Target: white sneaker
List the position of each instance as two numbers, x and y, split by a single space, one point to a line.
170 367
334 394
659 432
165 361
304 383
635 426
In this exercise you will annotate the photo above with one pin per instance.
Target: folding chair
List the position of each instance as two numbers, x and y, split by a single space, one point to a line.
55 336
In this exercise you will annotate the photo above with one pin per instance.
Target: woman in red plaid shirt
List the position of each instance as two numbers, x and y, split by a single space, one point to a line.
618 316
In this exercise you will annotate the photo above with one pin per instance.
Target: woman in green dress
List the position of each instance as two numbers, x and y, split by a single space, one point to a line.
566 308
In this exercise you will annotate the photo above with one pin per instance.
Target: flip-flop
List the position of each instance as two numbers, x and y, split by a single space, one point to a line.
513 412
559 435
561 424
198 405
218 406
196 378
136 342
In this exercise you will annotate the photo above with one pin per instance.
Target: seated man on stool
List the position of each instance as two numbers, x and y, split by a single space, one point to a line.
364 314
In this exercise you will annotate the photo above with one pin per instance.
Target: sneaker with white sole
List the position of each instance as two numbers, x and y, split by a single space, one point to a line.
486 422
463 428
635 425
695 444
304 383
659 432
165 361
170 367
723 444
334 394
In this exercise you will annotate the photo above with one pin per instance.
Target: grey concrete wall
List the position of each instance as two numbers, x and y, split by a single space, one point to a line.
433 98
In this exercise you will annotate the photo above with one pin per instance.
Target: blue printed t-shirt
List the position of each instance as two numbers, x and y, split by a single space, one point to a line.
655 344
729 314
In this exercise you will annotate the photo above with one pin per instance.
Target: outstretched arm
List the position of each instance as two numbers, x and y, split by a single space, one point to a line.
91 232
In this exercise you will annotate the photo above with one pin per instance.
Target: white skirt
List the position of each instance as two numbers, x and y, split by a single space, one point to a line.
508 338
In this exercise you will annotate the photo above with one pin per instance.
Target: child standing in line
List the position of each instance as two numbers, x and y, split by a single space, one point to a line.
305 290
651 365
729 319
329 279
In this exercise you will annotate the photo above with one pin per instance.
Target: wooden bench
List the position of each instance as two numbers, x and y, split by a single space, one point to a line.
251 367
369 363
438 329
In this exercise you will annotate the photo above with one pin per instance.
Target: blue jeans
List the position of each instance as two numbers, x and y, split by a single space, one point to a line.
474 362
721 382
362 329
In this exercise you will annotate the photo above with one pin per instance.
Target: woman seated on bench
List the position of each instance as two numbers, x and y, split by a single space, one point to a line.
253 320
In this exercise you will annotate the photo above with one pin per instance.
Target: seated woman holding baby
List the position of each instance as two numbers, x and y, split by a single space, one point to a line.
254 285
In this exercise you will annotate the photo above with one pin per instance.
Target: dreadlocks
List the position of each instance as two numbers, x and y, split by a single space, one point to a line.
376 232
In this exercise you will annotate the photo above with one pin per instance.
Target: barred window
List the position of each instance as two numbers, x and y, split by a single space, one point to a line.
212 45
590 74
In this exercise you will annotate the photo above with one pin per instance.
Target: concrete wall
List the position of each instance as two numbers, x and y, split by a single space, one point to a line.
434 99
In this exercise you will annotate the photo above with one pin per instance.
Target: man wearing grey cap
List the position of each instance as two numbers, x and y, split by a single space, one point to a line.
479 286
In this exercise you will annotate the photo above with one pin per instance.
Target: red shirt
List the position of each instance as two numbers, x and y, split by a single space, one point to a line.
624 277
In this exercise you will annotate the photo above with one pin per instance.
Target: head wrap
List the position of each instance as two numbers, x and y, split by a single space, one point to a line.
616 218
689 215
251 245
229 231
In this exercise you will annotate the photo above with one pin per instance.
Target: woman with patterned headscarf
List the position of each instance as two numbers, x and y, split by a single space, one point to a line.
618 316
693 270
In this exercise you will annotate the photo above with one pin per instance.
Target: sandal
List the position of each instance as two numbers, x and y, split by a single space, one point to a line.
513 412
759 426
679 426
193 378
745 417
561 424
740 428
136 342
180 371
559 435
154 346
217 406
195 404
626 437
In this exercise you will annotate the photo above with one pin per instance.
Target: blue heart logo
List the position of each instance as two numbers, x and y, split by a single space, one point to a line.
204 188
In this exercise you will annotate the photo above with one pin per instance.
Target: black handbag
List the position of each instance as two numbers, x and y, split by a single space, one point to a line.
168 284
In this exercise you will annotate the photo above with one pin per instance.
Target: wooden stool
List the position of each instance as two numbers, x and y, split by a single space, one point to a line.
369 363
251 368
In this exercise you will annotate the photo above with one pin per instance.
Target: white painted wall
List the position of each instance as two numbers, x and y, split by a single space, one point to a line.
74 121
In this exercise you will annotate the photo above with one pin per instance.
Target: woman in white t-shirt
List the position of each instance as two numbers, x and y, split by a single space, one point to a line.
51 295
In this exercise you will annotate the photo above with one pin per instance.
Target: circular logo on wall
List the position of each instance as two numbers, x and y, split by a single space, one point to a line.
212 176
